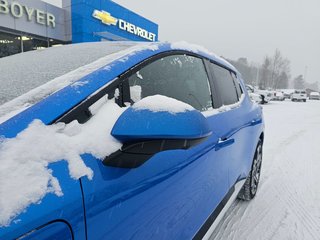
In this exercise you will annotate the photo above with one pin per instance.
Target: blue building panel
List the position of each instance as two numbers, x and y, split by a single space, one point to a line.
105 20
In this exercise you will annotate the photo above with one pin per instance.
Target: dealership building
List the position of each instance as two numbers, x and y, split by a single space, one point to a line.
33 24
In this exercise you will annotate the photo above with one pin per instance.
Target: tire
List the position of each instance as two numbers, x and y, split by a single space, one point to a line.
304 100
250 187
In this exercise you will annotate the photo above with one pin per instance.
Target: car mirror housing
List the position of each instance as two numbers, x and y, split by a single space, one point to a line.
145 133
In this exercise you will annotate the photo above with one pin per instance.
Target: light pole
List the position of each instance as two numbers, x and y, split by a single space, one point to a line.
305 73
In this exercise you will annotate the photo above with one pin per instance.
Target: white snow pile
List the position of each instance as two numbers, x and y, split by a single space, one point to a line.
160 103
196 49
24 174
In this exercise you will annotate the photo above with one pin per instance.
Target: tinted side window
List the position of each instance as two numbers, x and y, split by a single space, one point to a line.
178 76
225 84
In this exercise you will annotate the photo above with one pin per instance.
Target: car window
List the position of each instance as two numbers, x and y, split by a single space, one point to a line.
225 84
181 77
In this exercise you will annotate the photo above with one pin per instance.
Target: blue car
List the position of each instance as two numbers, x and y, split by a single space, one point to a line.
124 140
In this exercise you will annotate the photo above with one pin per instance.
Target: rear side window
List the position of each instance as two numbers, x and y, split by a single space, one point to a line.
225 85
181 77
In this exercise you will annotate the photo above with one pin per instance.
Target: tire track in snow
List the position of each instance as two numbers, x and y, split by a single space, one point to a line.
297 206
229 225
302 215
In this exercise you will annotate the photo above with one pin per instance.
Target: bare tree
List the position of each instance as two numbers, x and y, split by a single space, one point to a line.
265 73
282 81
280 70
299 82
273 73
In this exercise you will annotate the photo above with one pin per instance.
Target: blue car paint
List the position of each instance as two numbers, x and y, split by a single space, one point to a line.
167 197
164 198
54 231
134 125
68 207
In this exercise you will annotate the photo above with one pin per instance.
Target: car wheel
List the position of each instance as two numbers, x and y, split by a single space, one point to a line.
304 100
250 187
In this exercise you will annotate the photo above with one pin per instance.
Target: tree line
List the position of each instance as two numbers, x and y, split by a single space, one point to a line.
273 73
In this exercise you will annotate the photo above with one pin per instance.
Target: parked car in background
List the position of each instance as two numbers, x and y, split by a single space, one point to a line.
254 92
278 96
266 95
314 96
287 93
124 140
257 98
299 95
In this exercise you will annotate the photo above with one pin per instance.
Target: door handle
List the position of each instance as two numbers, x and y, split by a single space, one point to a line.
224 142
255 122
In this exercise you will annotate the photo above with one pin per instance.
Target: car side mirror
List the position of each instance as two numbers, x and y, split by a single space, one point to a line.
145 133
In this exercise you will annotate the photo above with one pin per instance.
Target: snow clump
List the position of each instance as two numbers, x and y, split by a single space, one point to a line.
24 174
160 103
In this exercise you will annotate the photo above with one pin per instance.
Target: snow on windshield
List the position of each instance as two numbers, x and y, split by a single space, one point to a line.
21 73
25 171
44 72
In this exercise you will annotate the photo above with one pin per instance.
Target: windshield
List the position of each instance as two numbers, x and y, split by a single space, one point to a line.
23 72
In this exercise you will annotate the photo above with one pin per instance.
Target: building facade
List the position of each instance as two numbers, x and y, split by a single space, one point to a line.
32 24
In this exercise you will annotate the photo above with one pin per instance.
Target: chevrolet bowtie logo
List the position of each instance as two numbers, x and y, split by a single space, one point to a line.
105 17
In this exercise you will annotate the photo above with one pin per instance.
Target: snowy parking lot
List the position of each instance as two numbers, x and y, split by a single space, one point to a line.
287 205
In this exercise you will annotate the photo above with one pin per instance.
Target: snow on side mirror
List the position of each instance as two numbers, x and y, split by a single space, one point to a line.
156 124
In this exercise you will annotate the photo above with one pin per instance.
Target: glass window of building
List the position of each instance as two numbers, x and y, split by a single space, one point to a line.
9 44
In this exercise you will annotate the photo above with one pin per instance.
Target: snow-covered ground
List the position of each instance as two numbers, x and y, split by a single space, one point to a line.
287 205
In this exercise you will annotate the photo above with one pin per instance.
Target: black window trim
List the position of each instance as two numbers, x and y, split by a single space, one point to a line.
236 82
81 110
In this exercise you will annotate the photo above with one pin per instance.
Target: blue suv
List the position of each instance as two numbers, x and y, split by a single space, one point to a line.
124 140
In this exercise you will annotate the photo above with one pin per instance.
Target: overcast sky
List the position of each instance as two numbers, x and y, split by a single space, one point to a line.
246 28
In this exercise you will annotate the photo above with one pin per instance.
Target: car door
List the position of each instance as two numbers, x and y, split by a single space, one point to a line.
240 118
173 194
